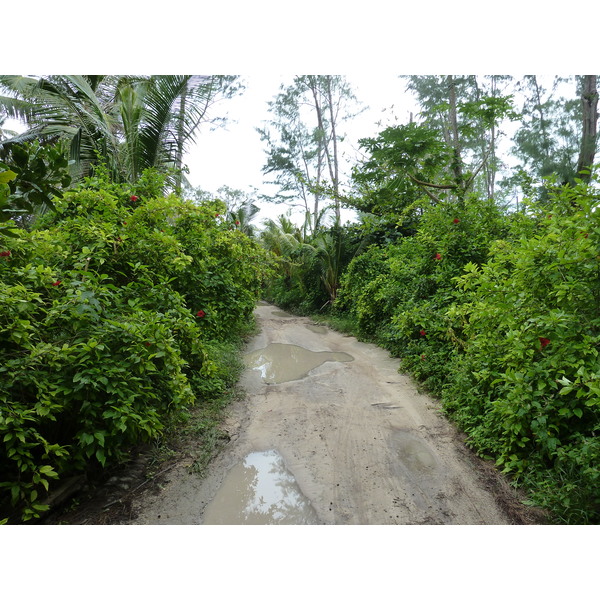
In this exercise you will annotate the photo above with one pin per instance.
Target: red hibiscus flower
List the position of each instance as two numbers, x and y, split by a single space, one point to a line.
438 256
544 342
5 253
423 332
134 198
455 221
56 283
201 314
237 222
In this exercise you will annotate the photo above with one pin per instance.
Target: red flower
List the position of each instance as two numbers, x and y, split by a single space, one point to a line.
423 332
438 256
134 198
148 344
5 253
237 222
201 314
216 215
456 221
56 283
544 342
422 357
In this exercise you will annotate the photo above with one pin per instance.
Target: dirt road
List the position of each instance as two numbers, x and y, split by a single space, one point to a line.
350 442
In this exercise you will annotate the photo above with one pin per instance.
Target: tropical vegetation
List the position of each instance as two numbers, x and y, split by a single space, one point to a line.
473 258
482 279
121 302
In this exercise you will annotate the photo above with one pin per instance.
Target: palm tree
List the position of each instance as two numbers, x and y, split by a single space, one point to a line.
130 123
77 108
328 245
242 217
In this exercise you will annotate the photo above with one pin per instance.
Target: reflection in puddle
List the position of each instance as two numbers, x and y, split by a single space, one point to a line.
281 313
260 491
278 363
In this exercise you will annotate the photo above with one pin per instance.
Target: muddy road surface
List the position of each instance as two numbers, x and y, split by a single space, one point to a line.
331 433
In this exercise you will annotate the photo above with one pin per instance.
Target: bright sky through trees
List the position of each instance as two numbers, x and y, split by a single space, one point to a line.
234 155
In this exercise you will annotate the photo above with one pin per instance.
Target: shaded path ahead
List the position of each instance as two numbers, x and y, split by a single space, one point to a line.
355 439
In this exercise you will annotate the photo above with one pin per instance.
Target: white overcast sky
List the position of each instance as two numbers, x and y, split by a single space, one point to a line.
267 42
234 155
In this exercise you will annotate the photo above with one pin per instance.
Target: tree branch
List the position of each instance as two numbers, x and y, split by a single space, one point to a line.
449 186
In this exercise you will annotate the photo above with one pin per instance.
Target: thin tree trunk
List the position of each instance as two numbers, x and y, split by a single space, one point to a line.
589 105
335 174
456 163
180 134
545 143
321 127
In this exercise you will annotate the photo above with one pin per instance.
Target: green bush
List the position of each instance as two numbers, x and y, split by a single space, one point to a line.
526 383
116 311
400 293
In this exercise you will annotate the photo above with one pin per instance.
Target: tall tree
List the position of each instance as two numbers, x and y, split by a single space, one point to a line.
548 139
467 112
589 134
294 155
303 140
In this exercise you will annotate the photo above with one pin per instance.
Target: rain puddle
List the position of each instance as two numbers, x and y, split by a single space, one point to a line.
279 363
281 313
317 329
260 491
414 454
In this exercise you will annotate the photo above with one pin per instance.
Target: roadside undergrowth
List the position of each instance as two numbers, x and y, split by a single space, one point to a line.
197 432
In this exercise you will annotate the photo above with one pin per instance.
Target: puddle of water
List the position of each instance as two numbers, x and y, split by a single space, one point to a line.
317 329
278 363
414 454
281 313
260 491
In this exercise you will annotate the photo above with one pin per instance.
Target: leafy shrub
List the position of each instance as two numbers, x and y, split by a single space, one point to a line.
400 293
114 314
527 383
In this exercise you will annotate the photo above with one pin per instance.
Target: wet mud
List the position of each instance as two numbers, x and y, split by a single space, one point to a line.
278 363
260 491
331 433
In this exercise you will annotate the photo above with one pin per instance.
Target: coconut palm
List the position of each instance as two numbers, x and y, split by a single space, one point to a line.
242 217
77 108
130 123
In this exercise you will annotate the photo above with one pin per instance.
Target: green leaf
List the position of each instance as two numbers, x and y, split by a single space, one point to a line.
48 470
7 176
100 456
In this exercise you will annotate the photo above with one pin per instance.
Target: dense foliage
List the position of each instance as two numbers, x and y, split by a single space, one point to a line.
119 305
524 375
115 312
496 312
